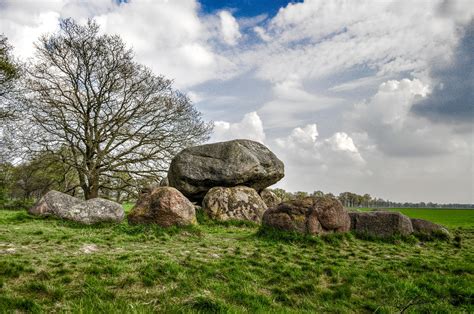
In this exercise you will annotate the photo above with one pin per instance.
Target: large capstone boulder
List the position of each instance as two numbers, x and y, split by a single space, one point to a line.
380 223
311 215
54 203
425 227
94 211
239 203
164 206
270 198
195 170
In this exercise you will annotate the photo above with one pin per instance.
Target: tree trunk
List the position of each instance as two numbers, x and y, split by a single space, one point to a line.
91 190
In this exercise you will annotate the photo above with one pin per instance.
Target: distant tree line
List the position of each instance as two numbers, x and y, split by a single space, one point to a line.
349 199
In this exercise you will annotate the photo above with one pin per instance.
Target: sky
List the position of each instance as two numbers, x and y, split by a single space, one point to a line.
364 96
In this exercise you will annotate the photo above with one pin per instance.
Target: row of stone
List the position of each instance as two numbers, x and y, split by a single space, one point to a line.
228 179
166 206
321 215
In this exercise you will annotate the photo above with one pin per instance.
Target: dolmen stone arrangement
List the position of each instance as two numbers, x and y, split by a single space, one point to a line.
230 181
225 178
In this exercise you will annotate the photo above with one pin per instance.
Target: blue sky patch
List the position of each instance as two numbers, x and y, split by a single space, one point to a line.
245 8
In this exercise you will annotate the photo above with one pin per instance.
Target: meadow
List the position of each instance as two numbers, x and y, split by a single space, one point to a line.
48 265
451 218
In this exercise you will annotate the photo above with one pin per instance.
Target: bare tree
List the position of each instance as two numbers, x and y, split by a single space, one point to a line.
110 118
9 75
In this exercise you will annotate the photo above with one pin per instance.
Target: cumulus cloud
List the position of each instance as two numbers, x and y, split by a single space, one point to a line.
260 31
229 28
311 162
386 118
168 36
250 127
303 147
452 99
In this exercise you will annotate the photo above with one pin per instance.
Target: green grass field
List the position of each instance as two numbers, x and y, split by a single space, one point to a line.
451 218
49 265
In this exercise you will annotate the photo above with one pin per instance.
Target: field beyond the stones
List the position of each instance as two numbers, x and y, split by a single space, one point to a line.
451 218
48 265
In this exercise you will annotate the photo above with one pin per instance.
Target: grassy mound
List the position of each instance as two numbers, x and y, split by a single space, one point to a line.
225 267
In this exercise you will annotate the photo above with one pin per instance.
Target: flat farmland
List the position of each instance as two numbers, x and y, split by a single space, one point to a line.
451 218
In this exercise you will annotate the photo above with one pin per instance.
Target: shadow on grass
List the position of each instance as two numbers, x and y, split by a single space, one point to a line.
205 220
271 234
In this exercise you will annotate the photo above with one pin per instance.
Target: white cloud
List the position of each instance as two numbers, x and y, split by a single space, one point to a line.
171 38
229 28
304 67
411 157
292 89
342 142
311 163
317 38
168 36
303 147
292 105
391 126
260 31
250 127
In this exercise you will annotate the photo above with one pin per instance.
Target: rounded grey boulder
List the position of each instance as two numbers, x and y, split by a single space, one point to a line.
53 203
195 170
88 212
94 211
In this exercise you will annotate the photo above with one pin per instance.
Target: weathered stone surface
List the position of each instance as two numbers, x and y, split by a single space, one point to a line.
53 203
240 203
164 182
380 223
331 214
164 206
421 226
94 211
64 206
311 215
196 170
270 198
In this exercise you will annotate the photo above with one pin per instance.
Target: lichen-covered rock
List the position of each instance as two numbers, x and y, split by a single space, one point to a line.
94 211
88 212
380 223
311 215
270 198
164 206
425 227
54 203
195 170
240 203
